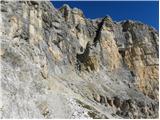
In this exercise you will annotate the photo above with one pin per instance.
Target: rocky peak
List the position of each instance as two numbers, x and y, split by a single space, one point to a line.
66 8
73 15
108 19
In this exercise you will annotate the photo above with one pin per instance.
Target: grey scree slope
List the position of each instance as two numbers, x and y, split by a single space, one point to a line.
58 64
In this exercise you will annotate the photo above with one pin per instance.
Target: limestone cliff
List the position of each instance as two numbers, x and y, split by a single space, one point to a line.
59 64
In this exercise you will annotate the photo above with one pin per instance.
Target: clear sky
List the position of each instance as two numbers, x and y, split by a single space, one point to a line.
144 11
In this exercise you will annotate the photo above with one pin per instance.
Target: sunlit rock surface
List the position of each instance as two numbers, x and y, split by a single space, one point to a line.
59 64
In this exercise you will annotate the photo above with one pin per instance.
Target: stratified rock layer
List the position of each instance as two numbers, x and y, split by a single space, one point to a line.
58 64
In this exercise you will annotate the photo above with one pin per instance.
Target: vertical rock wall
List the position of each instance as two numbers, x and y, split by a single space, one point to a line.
53 60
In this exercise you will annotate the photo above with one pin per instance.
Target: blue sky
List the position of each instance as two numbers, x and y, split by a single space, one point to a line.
144 11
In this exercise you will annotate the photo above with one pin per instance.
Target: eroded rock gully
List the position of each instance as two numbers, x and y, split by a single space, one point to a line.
59 64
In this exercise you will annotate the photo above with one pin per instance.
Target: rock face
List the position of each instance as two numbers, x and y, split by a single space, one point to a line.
58 64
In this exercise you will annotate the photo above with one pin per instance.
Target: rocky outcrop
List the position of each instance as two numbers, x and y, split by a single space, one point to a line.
142 56
59 64
128 108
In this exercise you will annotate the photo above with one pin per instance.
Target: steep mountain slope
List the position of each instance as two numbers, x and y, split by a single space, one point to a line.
58 64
